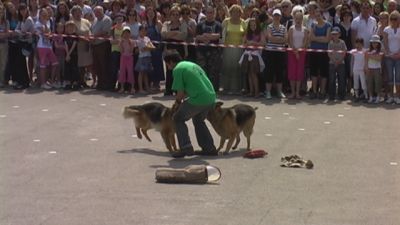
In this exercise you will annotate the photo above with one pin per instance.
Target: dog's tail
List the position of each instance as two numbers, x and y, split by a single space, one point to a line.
129 112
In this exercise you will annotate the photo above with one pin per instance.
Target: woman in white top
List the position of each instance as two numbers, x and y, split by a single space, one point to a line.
297 39
391 41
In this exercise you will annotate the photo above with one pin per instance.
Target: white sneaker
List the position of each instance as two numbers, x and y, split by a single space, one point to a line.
268 95
377 100
281 95
371 100
390 100
56 85
397 100
45 86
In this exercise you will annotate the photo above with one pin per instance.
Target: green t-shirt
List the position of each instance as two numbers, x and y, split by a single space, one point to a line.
191 78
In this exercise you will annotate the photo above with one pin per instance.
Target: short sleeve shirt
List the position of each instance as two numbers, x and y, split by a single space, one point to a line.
364 28
191 78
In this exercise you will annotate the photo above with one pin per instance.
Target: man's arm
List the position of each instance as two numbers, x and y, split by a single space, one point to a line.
180 95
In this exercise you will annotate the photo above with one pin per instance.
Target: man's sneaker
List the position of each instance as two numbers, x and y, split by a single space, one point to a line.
313 95
390 100
268 95
397 100
45 86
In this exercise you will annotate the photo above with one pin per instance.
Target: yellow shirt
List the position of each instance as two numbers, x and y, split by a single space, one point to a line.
234 33
117 36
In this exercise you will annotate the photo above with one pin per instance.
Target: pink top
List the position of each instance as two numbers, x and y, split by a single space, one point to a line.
127 47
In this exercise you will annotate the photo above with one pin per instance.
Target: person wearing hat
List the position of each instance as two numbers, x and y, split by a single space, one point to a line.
336 65
276 36
126 46
373 69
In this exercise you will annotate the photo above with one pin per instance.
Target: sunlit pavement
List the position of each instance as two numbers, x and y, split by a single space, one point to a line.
70 158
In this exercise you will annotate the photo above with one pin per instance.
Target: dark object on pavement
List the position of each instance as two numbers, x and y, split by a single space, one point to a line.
194 174
296 161
255 154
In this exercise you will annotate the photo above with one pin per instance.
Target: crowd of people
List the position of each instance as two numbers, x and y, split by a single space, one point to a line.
343 47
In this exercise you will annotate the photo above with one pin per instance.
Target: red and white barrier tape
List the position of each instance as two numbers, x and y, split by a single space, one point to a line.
249 47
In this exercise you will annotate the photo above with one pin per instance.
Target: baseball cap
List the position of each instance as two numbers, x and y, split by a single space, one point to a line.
277 11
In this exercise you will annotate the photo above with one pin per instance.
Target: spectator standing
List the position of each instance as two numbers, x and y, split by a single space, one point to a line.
319 61
251 60
25 28
116 33
34 10
358 69
4 27
345 34
298 41
154 32
276 36
373 70
191 27
173 31
391 41
62 13
59 51
71 69
309 19
286 10
47 58
336 65
85 57
144 65
102 50
14 50
133 23
126 46
364 25
209 58
234 29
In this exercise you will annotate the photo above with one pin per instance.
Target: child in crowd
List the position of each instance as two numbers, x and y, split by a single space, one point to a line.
71 69
373 70
251 61
358 64
59 50
144 66
336 65
45 50
126 46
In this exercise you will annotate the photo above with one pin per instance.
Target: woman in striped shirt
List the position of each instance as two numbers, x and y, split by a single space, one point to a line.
274 59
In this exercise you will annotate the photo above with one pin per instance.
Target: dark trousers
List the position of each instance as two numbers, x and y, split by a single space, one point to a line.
339 73
16 67
71 69
101 61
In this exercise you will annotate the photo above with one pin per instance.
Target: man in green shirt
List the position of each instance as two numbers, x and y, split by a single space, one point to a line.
196 97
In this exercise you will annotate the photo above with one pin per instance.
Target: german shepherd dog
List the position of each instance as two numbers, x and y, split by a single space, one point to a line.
153 115
229 122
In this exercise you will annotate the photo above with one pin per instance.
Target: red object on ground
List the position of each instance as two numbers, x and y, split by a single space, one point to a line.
259 153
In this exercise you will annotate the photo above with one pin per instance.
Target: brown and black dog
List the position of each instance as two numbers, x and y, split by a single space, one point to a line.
153 115
229 122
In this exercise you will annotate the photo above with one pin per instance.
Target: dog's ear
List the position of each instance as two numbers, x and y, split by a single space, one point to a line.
131 111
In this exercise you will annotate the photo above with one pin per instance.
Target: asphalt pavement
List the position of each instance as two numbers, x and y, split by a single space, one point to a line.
69 158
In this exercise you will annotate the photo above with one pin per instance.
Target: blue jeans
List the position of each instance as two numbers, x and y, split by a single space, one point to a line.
339 72
198 115
393 70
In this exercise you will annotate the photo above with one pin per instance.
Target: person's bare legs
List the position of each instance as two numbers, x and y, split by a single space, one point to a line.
298 85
